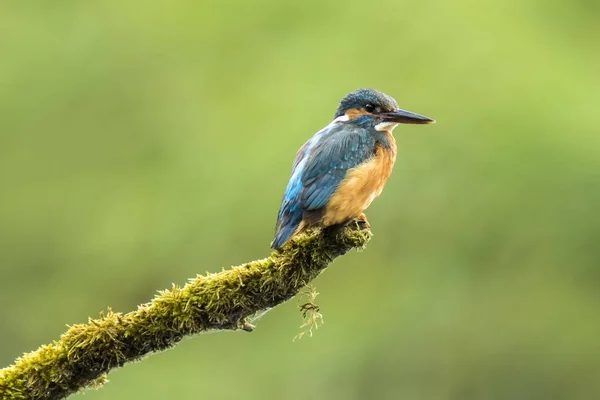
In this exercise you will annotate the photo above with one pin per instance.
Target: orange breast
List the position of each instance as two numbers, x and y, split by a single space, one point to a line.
361 185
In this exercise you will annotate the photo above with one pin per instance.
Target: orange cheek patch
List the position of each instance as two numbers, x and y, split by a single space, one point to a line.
354 113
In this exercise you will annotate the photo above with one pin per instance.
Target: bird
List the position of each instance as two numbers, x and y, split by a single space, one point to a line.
339 171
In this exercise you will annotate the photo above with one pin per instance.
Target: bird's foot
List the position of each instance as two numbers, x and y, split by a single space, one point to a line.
360 223
363 222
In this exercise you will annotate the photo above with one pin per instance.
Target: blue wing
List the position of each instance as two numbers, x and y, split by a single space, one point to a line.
320 166
329 161
290 212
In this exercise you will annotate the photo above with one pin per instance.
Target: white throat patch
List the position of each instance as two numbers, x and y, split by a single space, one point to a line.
386 126
342 118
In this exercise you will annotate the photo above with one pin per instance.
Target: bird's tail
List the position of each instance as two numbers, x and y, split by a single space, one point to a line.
285 229
282 235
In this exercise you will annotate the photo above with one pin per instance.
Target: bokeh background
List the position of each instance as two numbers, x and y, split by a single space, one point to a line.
144 142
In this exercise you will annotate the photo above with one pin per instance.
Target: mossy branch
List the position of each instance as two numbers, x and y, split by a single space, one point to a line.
84 354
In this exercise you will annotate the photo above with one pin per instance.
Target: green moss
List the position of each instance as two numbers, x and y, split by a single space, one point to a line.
84 354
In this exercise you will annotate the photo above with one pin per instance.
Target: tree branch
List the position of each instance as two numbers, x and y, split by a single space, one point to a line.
84 354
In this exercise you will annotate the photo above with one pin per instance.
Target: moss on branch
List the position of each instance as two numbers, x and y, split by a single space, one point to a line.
84 354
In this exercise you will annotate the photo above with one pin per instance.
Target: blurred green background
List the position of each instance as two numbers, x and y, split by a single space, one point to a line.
144 142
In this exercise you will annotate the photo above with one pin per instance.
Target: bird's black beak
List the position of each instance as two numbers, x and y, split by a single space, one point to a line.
405 117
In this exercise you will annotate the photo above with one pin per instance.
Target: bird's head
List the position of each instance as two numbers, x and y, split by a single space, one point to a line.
370 106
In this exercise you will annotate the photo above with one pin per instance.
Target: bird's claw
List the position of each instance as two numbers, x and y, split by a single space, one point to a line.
363 222
360 223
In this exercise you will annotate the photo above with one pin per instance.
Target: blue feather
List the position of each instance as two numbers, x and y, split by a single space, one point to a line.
290 212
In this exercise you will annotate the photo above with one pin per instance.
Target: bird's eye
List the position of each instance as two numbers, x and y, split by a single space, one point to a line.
370 108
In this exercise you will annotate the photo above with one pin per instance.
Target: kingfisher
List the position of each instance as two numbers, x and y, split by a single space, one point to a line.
340 170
